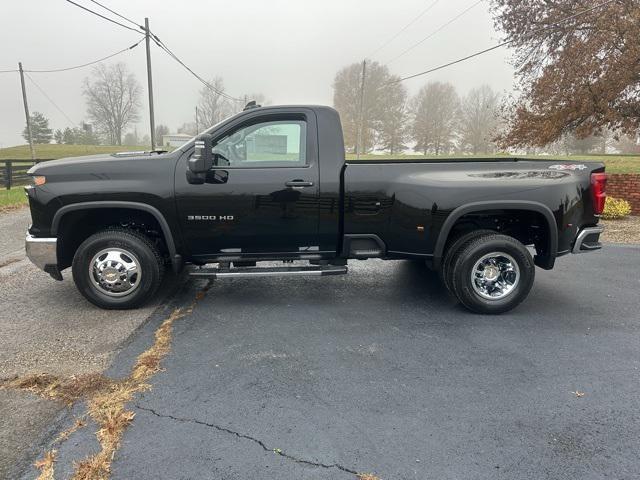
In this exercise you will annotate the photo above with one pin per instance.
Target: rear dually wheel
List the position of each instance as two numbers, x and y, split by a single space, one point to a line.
492 273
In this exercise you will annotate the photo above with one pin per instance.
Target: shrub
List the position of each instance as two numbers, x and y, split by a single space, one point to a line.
615 208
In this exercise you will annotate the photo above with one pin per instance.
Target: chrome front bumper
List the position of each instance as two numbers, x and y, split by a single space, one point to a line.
588 239
42 252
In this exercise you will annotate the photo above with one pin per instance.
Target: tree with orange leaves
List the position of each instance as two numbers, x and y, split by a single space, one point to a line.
577 73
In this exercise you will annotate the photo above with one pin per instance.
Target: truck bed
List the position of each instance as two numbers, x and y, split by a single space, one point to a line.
406 202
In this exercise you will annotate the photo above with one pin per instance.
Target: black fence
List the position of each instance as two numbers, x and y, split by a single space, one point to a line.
14 172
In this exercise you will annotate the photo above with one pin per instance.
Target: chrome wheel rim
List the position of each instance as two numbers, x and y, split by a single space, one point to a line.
495 275
115 272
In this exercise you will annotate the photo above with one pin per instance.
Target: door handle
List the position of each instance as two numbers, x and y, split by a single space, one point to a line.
298 183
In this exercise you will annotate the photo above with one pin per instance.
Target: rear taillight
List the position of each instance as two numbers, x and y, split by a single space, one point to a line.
598 191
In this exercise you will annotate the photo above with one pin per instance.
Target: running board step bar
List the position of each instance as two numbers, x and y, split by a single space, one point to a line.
245 272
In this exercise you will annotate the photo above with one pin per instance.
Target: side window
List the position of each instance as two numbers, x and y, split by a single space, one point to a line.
280 143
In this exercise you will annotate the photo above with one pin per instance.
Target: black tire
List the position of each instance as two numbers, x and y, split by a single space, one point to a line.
472 252
446 270
142 251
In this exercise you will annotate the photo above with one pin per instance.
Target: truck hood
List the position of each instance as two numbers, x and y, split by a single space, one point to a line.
96 163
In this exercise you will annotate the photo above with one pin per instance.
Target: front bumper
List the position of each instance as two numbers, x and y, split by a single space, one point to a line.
43 253
588 240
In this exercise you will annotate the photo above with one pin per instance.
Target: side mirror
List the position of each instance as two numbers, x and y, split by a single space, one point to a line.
196 178
202 159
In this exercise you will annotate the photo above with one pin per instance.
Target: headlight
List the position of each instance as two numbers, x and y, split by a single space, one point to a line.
39 180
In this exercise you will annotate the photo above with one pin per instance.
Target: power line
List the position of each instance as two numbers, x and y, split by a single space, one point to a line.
49 98
414 20
436 31
495 47
89 63
102 16
161 44
460 60
117 14
155 39
9 71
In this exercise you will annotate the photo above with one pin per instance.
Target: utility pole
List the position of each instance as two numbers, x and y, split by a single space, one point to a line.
26 111
361 119
147 34
197 126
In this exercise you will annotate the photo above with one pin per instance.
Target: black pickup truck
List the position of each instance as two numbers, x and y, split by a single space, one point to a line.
272 184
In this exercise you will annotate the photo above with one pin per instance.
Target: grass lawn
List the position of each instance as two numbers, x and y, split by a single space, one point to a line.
10 199
53 151
614 163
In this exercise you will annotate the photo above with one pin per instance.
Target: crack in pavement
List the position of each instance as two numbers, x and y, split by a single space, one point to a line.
248 437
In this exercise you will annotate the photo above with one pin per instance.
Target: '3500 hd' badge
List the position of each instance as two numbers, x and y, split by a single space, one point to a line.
211 218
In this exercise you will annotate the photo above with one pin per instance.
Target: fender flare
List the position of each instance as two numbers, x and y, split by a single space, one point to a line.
499 205
176 260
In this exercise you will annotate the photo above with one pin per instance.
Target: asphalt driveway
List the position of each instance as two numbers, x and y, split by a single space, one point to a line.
47 327
380 371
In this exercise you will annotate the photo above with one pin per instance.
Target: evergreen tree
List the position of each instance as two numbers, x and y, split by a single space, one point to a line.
40 131
68 136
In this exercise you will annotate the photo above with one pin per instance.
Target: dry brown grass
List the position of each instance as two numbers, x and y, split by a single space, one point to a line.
65 434
45 465
367 476
107 407
66 390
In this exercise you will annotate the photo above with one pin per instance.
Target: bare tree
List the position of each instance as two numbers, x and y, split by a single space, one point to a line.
213 106
113 100
346 99
435 118
383 107
479 120
391 126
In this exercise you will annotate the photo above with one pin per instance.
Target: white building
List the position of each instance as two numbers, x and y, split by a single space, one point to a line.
175 139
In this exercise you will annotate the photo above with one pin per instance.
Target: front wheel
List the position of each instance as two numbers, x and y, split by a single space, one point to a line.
117 269
492 274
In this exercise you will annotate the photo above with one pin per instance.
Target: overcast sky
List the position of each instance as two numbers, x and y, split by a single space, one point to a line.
289 50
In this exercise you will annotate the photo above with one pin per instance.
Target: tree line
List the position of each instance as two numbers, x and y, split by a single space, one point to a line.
437 120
